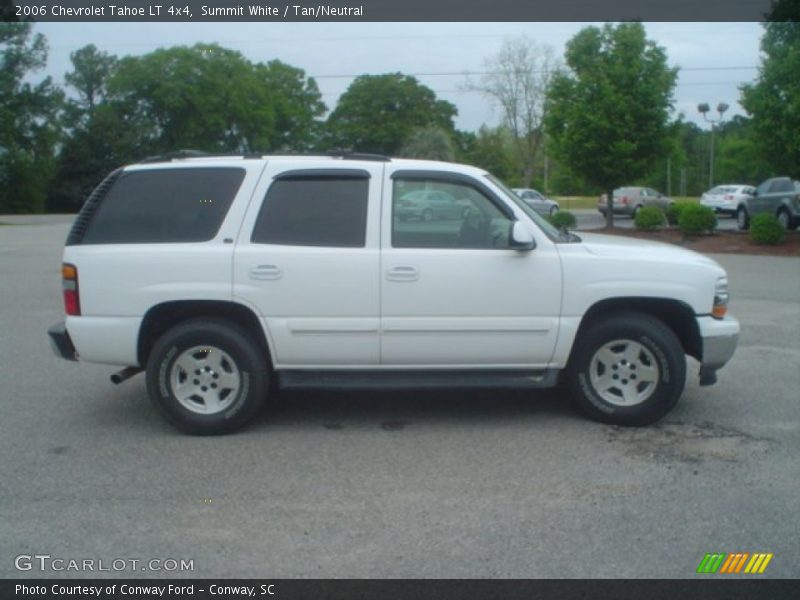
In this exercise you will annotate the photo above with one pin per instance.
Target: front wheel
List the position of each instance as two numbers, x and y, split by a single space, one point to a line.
207 376
627 370
742 220
785 219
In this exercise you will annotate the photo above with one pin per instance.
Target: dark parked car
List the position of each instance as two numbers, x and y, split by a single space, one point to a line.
779 196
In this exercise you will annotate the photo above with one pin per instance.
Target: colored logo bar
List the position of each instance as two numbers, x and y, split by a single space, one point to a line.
734 563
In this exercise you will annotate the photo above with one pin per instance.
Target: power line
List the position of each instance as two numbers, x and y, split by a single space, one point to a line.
468 73
466 91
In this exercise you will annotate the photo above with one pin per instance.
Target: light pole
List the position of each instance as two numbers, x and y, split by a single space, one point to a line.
704 110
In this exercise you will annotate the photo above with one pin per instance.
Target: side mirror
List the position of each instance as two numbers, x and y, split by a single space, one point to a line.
520 237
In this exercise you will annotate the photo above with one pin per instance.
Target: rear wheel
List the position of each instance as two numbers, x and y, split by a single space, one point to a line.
207 376
427 214
636 210
627 370
553 210
742 219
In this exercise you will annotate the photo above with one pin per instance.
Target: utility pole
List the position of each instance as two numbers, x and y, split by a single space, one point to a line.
704 110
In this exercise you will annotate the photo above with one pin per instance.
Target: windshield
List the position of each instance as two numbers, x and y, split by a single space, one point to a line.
551 232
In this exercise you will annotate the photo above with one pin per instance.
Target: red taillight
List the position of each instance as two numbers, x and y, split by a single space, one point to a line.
69 284
623 200
729 197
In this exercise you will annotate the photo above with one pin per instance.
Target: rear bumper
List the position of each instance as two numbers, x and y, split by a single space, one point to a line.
61 343
725 208
619 209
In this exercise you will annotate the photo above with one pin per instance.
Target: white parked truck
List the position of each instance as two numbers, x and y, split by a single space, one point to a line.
219 275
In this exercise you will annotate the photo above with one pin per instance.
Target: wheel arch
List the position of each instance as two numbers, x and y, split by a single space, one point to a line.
162 317
675 314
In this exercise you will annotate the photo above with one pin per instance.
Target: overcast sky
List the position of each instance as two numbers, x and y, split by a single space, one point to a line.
715 58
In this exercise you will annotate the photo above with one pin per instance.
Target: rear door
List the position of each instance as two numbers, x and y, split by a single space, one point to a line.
307 262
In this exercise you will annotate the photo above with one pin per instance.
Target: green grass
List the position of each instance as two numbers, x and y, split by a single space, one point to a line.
573 202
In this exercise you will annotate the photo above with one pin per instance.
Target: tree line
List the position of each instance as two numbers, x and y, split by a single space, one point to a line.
596 120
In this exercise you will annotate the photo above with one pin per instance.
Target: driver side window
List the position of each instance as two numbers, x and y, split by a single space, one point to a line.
443 214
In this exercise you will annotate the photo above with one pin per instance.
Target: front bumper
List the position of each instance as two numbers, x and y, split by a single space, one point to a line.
720 338
61 343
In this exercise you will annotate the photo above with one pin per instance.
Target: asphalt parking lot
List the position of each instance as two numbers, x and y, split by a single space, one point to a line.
483 484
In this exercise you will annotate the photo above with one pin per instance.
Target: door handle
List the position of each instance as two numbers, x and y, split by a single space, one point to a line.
403 273
265 272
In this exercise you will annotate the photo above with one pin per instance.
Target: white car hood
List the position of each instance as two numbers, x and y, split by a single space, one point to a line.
626 247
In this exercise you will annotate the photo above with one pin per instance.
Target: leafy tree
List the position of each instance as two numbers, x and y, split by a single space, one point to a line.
490 149
27 116
91 69
609 115
517 80
95 142
431 143
784 10
377 113
204 97
8 12
739 158
774 100
297 102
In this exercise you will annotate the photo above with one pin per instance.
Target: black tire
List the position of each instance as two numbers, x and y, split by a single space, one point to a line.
785 219
742 218
636 211
553 210
242 360
660 364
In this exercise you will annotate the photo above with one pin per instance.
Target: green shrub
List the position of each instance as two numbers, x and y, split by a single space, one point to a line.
674 211
649 218
563 218
695 219
766 229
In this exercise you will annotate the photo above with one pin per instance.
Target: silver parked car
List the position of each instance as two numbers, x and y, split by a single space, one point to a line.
725 199
428 205
779 196
537 201
628 200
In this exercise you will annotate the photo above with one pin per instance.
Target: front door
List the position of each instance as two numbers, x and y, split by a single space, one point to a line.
453 294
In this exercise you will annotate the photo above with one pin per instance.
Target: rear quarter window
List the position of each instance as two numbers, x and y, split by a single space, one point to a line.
165 205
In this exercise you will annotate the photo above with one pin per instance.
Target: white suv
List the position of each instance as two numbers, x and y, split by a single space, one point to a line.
220 275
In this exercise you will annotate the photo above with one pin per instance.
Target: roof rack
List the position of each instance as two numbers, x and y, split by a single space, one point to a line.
342 154
181 154
339 153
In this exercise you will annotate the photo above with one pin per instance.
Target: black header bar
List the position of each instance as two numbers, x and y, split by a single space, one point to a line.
385 10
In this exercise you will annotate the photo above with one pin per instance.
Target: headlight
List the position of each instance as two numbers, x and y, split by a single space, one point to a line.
721 297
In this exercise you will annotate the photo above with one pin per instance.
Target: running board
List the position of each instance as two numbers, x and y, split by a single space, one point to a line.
413 380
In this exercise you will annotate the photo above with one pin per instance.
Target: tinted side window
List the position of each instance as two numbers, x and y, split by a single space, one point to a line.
781 185
165 205
315 211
